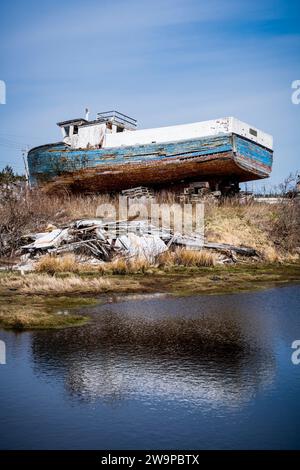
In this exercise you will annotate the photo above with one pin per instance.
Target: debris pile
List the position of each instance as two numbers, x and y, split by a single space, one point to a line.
101 241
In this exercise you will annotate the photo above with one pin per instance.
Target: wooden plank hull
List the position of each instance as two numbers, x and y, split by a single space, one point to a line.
216 159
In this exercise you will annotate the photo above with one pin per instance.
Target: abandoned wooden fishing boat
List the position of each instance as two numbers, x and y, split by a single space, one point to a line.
109 154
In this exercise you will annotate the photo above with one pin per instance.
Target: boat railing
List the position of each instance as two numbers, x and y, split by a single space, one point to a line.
117 118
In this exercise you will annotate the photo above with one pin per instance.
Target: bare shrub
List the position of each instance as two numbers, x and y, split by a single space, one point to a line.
21 212
27 211
286 226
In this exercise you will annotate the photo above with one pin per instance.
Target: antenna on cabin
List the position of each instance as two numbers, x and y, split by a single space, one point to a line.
87 113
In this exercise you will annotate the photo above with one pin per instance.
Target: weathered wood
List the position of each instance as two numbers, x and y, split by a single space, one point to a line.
241 250
57 166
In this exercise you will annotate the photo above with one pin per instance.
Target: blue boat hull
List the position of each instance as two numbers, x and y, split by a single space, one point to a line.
216 159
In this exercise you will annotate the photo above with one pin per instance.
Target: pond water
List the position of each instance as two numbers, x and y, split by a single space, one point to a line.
203 372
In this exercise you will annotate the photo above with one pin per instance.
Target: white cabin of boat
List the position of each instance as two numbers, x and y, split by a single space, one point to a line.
113 129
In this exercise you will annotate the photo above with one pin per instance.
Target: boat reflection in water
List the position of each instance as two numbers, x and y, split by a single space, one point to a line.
197 351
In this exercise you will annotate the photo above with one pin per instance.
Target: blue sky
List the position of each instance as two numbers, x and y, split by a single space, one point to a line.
163 62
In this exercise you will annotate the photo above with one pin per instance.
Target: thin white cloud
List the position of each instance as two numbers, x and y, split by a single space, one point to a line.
109 20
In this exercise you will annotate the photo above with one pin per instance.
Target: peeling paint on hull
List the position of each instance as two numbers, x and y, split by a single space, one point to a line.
221 158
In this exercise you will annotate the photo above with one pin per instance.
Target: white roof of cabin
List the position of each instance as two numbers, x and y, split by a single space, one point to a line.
195 130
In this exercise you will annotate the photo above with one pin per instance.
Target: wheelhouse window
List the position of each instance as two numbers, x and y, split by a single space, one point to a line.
253 132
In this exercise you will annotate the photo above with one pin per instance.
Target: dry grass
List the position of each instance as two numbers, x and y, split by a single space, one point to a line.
166 259
166 197
44 284
51 264
286 226
188 258
271 255
79 207
238 224
123 266
54 264
118 266
67 263
185 281
195 258
273 230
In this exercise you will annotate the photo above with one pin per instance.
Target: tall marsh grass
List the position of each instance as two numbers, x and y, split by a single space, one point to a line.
52 264
188 258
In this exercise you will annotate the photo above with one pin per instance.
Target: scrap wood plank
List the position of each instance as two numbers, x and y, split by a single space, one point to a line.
241 250
70 246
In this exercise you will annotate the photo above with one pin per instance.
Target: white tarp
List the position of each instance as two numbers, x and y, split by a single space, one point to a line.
146 246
